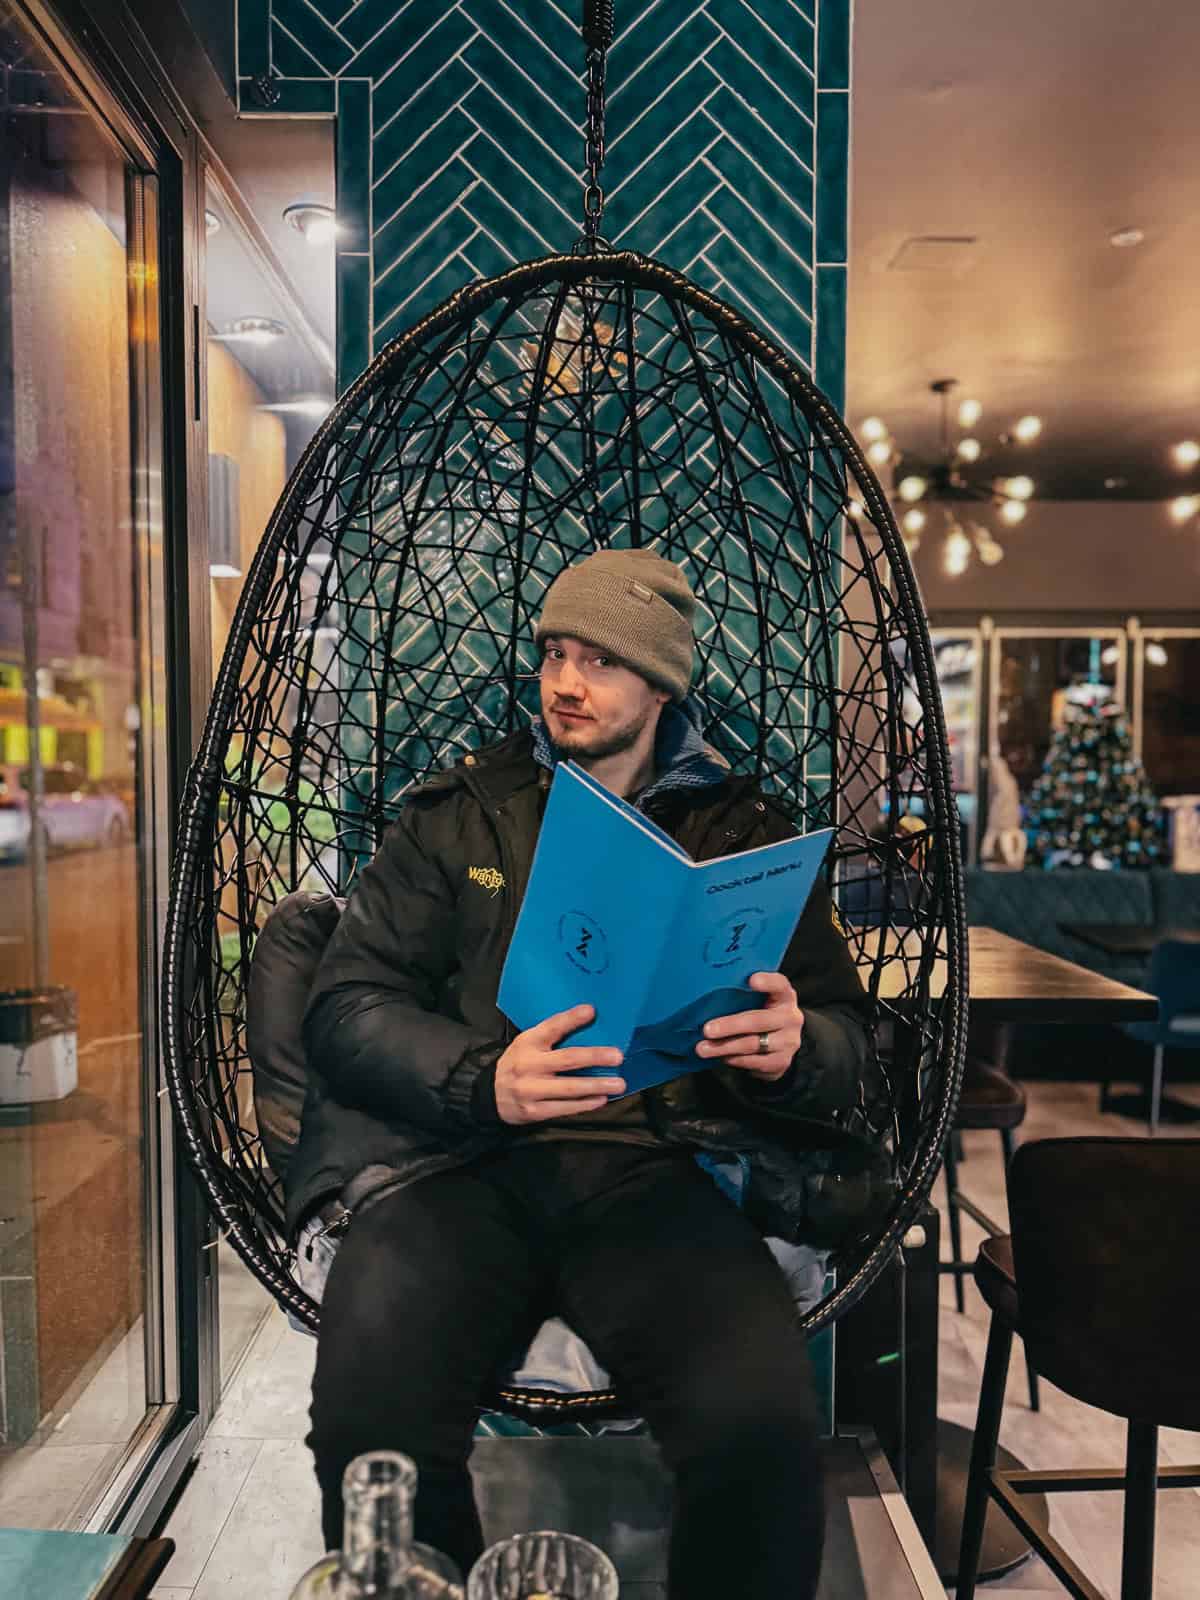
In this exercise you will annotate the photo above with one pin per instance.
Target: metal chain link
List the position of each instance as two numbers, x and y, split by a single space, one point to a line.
598 23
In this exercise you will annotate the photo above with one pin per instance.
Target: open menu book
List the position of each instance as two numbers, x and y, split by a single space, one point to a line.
618 916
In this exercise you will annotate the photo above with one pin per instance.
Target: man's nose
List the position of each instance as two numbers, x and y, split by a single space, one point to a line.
570 681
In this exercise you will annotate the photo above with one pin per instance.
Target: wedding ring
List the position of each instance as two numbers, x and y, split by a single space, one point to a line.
764 1044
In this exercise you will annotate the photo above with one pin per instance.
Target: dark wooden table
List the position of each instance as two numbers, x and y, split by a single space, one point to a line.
1008 981
1126 938
1014 982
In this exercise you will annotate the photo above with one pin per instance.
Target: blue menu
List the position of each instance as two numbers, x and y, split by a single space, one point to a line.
618 916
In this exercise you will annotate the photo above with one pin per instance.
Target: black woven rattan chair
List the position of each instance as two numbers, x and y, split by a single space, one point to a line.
385 627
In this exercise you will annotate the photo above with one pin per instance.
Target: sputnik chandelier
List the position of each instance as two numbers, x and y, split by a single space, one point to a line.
946 490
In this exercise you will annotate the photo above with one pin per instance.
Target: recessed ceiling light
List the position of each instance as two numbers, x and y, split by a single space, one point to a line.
212 222
1186 454
1127 238
317 224
314 407
1116 483
252 330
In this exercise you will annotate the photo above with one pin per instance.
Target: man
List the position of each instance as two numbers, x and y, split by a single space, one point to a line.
490 1188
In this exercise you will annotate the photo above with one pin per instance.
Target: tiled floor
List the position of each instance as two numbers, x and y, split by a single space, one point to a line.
246 1525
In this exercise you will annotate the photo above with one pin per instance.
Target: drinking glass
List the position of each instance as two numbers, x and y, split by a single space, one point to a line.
543 1566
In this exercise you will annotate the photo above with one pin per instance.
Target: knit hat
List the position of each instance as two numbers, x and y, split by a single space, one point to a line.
633 603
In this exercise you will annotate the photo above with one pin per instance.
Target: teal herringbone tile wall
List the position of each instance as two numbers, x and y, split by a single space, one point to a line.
459 151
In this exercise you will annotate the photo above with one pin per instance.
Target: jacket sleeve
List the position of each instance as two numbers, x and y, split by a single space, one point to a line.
372 1028
827 1071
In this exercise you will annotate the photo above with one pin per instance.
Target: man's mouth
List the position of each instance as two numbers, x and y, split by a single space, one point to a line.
570 716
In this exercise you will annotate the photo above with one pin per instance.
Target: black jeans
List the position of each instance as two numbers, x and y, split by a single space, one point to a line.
438 1287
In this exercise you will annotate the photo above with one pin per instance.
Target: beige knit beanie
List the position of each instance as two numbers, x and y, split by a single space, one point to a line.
633 603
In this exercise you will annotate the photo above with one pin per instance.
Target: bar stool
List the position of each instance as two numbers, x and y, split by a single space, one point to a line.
989 1099
1092 1281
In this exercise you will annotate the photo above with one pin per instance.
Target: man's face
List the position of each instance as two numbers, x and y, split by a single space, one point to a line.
593 706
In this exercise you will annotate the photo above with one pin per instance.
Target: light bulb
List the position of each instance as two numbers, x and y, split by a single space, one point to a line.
880 453
1110 655
956 552
913 487
1155 654
855 509
1019 488
969 449
969 413
874 429
1186 455
990 552
914 520
1028 429
1013 512
1185 507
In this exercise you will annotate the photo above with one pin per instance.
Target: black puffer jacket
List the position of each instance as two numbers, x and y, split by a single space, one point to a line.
402 1032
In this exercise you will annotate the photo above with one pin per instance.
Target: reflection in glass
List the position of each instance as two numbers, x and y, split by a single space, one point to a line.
957 666
1171 713
78 303
1036 677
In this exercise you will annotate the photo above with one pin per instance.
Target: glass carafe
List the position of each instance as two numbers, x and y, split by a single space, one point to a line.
380 1558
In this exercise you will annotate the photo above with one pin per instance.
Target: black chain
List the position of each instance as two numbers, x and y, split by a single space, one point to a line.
598 27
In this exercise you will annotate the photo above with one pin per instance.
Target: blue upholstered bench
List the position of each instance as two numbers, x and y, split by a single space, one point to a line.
1030 905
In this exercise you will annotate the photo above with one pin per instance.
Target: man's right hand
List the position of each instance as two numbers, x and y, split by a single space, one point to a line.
531 1085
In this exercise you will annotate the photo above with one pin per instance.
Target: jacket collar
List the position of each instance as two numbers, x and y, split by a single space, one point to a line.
682 760
527 758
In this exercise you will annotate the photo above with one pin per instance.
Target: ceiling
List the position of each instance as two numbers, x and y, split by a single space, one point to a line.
1034 130
1037 130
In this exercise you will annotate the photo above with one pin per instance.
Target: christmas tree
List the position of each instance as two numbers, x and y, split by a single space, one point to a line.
1092 805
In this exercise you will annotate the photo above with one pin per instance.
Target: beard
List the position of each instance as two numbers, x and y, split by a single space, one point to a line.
582 742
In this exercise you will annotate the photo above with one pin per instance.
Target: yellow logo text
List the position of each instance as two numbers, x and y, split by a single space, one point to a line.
488 877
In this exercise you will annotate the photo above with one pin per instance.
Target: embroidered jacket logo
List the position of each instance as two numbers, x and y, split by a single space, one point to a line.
488 877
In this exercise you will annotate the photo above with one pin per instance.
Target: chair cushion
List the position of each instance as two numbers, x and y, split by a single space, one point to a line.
282 967
989 1099
997 1278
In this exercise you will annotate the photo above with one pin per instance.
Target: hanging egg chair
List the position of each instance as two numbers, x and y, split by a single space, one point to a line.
582 400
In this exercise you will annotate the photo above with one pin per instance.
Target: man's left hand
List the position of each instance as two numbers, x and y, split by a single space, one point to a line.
734 1041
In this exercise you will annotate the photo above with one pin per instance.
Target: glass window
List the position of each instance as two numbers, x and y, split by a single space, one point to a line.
80 727
270 385
1171 712
1035 677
